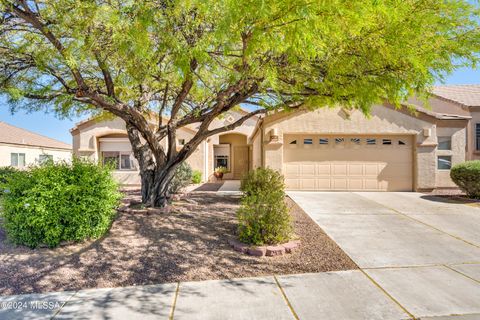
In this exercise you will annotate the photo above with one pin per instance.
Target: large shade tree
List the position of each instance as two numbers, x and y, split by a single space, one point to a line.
194 60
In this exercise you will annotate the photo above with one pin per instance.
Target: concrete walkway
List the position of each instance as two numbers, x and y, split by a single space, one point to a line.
230 187
419 259
422 251
329 295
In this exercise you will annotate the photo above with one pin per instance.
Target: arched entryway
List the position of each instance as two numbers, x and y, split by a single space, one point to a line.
232 152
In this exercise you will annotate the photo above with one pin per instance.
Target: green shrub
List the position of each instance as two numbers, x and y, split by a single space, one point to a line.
48 204
467 177
181 178
263 215
196 176
5 173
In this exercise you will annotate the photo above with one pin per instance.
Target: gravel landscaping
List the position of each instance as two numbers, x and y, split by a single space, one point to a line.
183 245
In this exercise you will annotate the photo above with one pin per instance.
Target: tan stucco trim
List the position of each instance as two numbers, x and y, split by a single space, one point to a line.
463 106
34 146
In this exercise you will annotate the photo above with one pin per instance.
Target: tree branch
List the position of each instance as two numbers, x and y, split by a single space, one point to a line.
107 77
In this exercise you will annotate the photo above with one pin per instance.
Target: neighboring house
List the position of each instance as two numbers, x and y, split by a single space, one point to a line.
325 149
462 100
20 148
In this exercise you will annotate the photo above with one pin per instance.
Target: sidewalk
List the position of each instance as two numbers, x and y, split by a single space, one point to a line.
329 295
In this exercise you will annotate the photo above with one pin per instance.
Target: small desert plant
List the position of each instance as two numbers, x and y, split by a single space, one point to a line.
196 176
181 178
221 169
467 177
57 202
263 215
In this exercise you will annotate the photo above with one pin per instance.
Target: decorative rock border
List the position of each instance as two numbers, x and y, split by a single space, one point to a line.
261 251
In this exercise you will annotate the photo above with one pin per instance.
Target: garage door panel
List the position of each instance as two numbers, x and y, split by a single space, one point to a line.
292 184
339 169
324 184
340 183
355 169
323 169
350 165
307 169
355 184
308 184
292 170
371 184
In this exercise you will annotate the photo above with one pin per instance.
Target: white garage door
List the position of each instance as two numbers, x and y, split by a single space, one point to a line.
354 163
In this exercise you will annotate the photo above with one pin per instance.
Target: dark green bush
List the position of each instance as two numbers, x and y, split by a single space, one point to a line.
196 176
467 177
263 215
5 173
48 204
181 178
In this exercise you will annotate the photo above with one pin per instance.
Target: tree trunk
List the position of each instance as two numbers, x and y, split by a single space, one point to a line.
155 191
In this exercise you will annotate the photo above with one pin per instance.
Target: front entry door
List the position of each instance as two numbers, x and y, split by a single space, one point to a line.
240 161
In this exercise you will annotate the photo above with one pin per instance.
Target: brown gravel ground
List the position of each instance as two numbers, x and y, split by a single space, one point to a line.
147 249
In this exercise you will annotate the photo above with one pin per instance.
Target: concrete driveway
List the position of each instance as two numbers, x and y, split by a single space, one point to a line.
420 250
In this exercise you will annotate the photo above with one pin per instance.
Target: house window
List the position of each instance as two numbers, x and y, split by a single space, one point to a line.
401 143
355 140
119 160
339 140
221 161
444 143
181 142
386 141
323 141
44 158
477 135
444 162
371 141
17 160
293 142
307 141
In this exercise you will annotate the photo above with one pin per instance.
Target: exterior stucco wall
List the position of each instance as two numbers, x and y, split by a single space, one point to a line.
257 150
233 139
32 154
457 153
441 106
473 154
383 121
85 143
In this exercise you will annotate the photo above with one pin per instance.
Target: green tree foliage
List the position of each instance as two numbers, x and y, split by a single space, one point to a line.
48 204
194 60
467 177
263 215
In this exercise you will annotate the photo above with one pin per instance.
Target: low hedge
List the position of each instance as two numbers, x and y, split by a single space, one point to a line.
48 204
263 215
467 177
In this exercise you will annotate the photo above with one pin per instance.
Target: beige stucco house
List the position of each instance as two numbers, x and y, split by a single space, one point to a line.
107 140
20 148
327 149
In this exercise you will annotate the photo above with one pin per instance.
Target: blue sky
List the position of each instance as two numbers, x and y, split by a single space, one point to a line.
50 126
